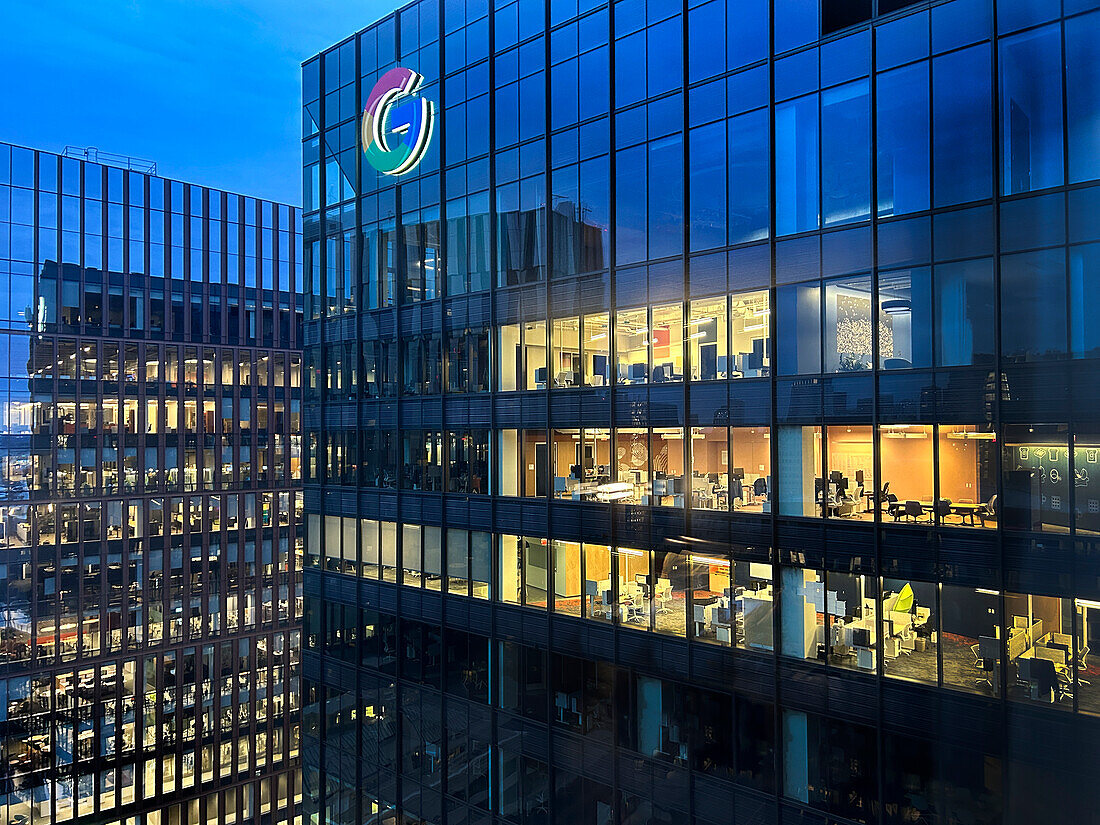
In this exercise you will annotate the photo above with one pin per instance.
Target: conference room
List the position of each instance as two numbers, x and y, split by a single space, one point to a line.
928 473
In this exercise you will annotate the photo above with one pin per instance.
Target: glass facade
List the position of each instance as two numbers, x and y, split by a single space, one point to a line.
705 428
150 594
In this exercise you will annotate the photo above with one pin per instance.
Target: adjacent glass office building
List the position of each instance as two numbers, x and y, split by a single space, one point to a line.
706 429
149 496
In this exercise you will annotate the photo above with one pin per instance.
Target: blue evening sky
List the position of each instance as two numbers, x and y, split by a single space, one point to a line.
209 89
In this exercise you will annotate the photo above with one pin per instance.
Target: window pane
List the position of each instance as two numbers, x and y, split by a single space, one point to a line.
567 577
796 156
967 478
1033 305
708 186
597 343
565 341
909 623
709 468
748 177
667 339
1031 110
852 472
632 462
1084 282
846 154
799 306
630 205
750 469
802 600
848 344
598 599
961 113
1035 469
750 350
964 313
1083 96
799 470
706 334
509 566
902 140
1040 649
1088 640
666 457
852 631
970 641
631 346
534 354
666 197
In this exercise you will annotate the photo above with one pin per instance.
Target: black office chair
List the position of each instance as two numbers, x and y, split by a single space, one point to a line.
988 510
892 506
910 511
1045 676
879 498
988 668
943 510
976 649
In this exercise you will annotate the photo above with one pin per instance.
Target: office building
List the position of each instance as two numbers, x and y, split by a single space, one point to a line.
149 553
702 421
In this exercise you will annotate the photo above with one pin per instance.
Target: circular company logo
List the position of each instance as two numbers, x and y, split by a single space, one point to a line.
397 124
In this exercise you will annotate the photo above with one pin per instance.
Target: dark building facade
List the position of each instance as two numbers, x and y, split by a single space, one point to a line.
149 560
706 428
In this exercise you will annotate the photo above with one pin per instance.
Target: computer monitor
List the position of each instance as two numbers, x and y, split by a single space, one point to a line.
739 472
835 476
712 478
723 615
861 637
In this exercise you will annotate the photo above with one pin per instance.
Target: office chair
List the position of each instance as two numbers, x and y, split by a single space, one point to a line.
881 497
845 508
1045 676
910 510
760 487
664 595
1082 655
943 510
987 668
988 510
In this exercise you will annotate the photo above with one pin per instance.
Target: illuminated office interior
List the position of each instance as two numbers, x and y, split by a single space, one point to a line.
764 416
150 433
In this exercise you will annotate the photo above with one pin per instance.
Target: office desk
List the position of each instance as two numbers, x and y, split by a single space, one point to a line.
844 634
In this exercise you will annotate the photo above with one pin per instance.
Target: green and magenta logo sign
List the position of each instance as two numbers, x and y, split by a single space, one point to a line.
397 123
